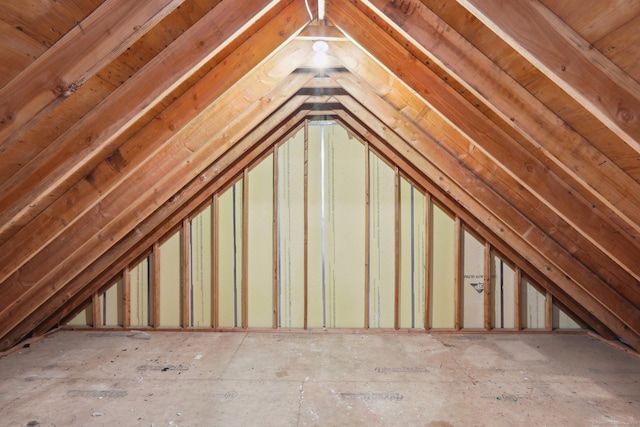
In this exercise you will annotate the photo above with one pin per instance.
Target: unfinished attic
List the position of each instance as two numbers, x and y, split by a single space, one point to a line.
301 170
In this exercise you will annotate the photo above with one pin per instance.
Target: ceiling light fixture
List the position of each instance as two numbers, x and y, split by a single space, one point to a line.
320 48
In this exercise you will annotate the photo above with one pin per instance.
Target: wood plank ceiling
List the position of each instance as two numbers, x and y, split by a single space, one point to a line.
523 116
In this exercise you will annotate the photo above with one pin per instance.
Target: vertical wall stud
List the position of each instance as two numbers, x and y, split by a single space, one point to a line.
215 261
396 305
274 236
306 221
126 298
367 240
428 251
548 312
517 297
155 285
487 286
245 248
97 314
458 252
185 265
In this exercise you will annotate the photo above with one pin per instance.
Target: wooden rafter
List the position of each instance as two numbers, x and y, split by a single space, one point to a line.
103 194
184 155
491 140
569 60
88 141
238 166
601 179
394 147
137 242
403 100
517 229
88 192
81 53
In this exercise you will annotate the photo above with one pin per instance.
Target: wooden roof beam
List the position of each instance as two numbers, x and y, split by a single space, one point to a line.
403 154
611 187
93 278
90 139
535 177
322 32
75 58
413 108
536 223
87 192
496 213
567 59
181 158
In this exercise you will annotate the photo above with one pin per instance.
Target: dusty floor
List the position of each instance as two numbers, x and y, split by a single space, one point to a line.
278 379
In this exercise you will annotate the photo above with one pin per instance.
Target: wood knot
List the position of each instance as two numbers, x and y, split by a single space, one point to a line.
625 115
73 88
117 161
61 88
7 118
407 7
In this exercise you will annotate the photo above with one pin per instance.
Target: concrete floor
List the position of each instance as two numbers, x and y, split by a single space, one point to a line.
280 379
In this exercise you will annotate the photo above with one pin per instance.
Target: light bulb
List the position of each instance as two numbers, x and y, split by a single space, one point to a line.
320 46
320 58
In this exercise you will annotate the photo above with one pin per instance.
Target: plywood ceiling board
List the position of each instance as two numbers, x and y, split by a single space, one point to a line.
568 150
64 160
583 72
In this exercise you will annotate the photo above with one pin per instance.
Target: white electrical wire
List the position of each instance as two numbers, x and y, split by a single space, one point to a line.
323 238
306 2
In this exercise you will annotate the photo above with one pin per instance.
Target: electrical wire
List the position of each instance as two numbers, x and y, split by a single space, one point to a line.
306 2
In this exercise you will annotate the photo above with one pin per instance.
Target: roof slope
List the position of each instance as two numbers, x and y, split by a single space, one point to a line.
524 116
